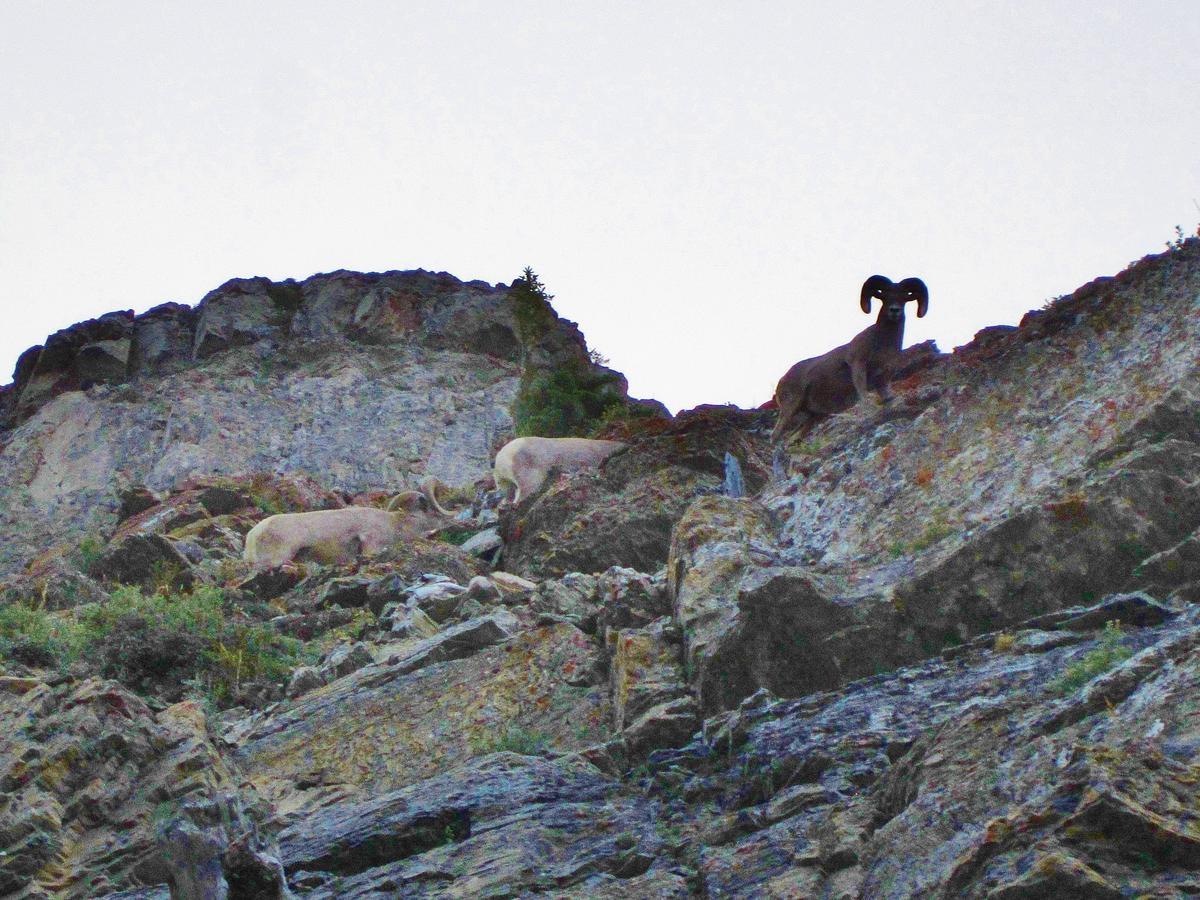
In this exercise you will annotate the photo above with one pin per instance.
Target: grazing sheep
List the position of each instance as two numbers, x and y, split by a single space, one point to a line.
343 534
429 490
525 462
816 388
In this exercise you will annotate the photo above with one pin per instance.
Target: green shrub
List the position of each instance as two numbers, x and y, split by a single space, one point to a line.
285 295
568 401
200 611
155 643
512 740
231 652
1109 654
622 413
34 637
88 552
456 536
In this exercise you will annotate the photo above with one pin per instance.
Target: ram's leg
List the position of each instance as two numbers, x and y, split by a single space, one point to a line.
858 374
506 486
787 412
809 423
528 483
368 544
273 554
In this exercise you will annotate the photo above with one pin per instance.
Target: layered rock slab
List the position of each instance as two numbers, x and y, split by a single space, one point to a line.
501 825
90 776
394 723
991 775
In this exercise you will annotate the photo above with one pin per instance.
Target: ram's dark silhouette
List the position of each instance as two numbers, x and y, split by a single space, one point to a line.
814 389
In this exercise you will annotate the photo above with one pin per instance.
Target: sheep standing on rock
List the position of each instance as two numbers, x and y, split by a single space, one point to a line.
344 534
816 388
524 462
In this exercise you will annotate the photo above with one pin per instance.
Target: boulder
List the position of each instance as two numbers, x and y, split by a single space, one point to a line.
717 541
645 670
788 636
669 724
303 680
1044 557
349 592
512 586
481 589
344 659
72 359
572 598
484 544
439 600
146 560
136 499
162 339
241 311
410 622
630 599
102 362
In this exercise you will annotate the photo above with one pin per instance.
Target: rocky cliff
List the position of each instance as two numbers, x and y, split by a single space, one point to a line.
364 381
944 649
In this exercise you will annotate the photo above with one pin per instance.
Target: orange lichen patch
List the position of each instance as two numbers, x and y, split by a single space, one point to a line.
404 308
1073 508
908 383
923 477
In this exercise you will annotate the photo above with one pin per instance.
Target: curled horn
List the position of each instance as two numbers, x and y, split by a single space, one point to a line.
915 288
409 500
872 288
429 491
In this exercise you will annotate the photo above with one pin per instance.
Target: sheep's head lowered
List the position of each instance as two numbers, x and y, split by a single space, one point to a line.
347 533
816 388
523 463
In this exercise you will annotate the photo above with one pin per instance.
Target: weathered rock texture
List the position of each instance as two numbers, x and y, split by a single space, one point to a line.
429 705
983 777
92 781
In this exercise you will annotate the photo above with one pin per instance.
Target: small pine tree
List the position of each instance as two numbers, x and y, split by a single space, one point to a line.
531 307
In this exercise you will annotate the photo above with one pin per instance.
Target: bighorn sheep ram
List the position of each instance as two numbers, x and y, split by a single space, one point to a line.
816 388
525 462
344 533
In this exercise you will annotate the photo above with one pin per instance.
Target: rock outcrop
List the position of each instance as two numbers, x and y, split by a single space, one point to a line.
1033 470
371 380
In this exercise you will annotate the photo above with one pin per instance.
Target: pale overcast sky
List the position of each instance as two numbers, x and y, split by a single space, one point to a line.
703 186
